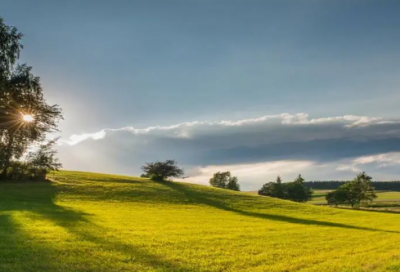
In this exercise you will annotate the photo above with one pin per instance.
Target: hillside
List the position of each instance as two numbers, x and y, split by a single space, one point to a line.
94 222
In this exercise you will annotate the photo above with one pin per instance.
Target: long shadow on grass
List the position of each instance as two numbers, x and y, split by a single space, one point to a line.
204 198
38 200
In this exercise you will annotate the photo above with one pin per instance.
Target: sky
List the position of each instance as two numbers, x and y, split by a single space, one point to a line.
258 88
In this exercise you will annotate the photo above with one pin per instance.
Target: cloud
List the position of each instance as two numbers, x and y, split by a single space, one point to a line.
183 130
340 144
251 173
381 160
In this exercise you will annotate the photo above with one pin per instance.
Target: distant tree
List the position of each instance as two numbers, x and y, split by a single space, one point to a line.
25 116
233 184
225 180
161 171
273 189
353 192
342 195
144 176
295 191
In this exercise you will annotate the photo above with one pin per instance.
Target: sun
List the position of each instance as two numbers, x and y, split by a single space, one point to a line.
28 118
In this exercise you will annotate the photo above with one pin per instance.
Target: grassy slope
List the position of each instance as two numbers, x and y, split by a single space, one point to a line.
93 222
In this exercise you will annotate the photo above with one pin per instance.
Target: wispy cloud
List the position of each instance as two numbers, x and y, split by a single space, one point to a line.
259 147
186 129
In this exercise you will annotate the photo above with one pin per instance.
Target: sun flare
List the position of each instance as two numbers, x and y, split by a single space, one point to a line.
28 118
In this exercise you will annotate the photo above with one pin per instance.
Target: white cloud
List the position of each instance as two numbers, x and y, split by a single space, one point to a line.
346 168
251 172
186 129
75 139
256 149
382 160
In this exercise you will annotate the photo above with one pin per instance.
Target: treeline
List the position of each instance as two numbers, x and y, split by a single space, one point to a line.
334 184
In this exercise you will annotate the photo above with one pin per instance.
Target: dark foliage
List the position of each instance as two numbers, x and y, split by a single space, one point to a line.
334 184
294 191
224 180
353 192
161 171
21 95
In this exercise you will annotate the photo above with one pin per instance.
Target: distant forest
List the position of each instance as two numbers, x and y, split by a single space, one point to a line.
334 184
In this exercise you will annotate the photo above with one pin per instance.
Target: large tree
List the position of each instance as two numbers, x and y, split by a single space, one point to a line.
25 116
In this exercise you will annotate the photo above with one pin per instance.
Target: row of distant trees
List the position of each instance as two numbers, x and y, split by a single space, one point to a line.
352 193
294 191
335 184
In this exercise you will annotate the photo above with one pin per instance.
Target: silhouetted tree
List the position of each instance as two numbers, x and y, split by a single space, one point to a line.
225 180
20 95
160 171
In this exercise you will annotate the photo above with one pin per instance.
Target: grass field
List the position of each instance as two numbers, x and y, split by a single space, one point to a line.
319 197
93 222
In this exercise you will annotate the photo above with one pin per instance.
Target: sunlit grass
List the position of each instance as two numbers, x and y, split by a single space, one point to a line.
93 222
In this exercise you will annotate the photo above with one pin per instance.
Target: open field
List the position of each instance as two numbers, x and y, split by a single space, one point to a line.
385 196
94 222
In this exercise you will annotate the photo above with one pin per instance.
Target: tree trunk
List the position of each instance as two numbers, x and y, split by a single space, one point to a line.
7 158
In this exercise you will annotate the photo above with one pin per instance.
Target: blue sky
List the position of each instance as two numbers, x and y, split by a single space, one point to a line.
143 64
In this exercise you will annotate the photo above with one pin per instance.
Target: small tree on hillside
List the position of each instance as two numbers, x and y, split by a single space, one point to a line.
224 180
160 171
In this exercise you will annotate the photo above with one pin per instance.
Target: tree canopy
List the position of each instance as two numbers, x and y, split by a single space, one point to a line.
354 192
294 191
25 116
161 171
225 180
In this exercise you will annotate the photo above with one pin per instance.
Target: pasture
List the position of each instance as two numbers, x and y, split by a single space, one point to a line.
94 222
385 199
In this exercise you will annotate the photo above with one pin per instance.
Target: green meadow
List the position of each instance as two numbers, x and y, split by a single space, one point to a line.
382 196
95 222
